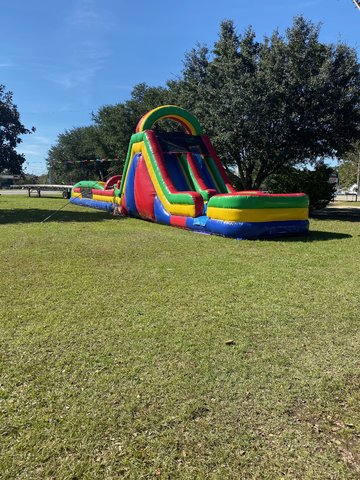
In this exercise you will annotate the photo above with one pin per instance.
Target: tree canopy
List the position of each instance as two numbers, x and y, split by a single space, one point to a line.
314 182
68 159
274 104
268 105
349 167
107 138
10 130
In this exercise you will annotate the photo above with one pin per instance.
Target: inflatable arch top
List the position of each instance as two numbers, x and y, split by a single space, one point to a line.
180 115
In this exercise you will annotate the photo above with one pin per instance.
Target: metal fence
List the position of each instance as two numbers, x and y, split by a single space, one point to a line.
347 197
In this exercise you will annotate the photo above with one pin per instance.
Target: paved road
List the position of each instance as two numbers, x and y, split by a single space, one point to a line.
48 193
13 192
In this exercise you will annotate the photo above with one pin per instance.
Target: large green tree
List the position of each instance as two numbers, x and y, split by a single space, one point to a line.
68 160
349 167
116 123
107 138
314 182
10 130
270 105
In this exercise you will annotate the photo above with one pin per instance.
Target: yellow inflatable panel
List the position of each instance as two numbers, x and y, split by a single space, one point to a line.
103 198
258 214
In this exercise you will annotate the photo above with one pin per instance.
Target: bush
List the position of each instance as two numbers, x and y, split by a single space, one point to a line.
315 183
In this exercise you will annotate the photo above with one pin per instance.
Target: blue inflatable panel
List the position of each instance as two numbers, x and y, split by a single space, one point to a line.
161 214
190 223
197 223
130 190
204 171
176 174
257 229
201 221
87 202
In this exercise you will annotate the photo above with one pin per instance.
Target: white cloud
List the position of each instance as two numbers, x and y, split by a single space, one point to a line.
85 15
81 75
88 51
42 140
33 150
65 80
35 146
7 65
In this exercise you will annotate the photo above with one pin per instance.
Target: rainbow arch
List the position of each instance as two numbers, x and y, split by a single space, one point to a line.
180 115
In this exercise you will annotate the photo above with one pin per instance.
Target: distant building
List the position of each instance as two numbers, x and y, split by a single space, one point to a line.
8 180
354 189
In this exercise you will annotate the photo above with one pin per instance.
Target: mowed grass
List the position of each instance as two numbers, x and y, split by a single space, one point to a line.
135 350
351 204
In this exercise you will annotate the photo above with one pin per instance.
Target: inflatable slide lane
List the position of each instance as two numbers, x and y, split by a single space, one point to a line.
177 179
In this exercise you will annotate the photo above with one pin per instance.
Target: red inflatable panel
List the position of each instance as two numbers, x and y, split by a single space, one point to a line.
178 221
105 193
123 208
112 181
144 191
196 172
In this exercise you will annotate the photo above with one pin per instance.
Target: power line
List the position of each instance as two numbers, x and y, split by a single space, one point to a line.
96 160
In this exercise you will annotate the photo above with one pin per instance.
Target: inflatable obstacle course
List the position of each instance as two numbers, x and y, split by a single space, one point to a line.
176 178
99 195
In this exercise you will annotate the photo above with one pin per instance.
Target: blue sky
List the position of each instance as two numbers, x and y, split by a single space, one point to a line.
64 60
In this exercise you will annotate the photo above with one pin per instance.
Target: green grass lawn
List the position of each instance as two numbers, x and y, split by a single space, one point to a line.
135 350
352 204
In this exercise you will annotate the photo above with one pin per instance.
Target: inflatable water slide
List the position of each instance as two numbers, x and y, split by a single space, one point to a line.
176 178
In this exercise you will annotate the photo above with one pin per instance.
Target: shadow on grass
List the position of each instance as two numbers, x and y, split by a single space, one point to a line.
314 236
37 215
345 214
